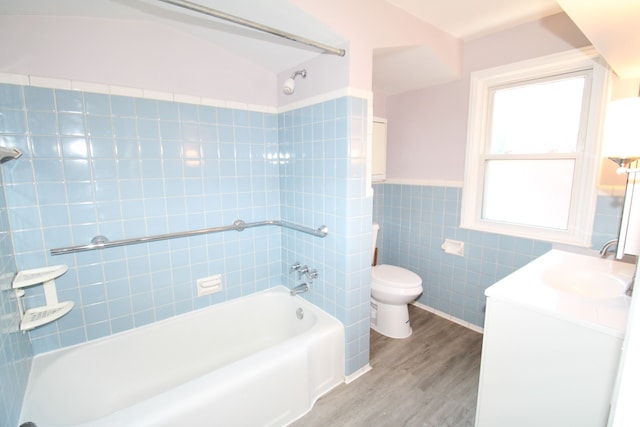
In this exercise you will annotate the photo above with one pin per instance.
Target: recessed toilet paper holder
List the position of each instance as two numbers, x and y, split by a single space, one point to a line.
52 310
453 247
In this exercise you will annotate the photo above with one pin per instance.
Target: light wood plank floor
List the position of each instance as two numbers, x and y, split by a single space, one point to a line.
429 379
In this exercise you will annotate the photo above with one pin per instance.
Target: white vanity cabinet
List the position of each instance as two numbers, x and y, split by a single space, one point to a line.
549 359
538 370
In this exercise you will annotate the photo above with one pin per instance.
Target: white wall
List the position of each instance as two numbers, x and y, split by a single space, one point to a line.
132 54
427 129
325 73
376 24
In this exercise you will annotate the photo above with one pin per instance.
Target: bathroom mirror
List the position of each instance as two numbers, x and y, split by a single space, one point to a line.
629 236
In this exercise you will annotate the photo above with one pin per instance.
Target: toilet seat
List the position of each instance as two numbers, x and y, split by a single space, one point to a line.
395 277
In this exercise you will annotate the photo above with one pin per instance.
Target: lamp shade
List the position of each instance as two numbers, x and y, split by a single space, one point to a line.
621 137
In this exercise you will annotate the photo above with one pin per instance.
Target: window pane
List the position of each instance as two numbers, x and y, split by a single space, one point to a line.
539 117
528 192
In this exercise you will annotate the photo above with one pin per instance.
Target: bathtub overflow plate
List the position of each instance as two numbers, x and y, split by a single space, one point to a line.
300 313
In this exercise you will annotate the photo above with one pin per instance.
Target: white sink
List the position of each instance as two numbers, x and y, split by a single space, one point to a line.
589 283
580 288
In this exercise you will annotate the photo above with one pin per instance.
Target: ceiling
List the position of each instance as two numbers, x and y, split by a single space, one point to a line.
467 19
612 27
464 19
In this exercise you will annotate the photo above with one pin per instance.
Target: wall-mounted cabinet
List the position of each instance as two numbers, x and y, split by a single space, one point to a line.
379 151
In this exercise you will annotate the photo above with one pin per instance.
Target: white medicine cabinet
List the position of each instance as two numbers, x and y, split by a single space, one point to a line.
379 151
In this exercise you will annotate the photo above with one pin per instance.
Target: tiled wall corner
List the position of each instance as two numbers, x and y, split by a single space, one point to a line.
15 348
322 183
123 167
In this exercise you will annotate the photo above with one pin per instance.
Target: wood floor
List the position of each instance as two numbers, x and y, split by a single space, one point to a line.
429 379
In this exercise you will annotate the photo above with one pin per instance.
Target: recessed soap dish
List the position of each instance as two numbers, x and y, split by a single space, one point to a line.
53 310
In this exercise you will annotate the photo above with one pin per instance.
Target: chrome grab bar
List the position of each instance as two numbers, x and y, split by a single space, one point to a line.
101 242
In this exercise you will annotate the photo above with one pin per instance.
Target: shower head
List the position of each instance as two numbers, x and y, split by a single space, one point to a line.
290 84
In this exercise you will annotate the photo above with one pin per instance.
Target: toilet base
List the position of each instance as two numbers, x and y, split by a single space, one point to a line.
390 320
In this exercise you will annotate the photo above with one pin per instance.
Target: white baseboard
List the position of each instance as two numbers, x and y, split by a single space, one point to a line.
357 374
454 319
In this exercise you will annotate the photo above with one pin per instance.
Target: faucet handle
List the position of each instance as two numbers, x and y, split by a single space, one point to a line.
294 267
312 275
302 270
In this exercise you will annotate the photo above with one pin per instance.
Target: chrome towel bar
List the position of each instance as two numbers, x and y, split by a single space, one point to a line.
101 242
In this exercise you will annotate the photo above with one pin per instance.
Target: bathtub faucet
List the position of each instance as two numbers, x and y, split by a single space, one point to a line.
303 287
301 269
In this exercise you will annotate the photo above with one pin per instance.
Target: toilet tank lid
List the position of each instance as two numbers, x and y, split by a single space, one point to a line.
395 276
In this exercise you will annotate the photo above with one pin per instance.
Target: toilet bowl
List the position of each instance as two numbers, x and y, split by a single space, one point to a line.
392 289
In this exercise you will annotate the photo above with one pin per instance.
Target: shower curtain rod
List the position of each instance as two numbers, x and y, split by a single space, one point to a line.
256 26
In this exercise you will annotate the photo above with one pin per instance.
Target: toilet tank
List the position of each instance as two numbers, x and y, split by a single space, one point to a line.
374 238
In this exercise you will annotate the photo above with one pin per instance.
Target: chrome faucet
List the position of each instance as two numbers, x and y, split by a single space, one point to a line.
294 267
302 270
605 248
312 275
303 287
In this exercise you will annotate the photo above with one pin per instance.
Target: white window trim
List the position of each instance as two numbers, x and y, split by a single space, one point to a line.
581 219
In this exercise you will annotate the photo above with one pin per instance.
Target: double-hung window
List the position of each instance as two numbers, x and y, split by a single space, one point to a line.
532 148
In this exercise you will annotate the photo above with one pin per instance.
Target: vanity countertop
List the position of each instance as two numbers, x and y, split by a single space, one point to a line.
583 289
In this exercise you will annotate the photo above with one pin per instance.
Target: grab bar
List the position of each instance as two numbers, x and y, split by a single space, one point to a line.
101 242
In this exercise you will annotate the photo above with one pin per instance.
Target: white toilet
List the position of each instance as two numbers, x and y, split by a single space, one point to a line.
392 288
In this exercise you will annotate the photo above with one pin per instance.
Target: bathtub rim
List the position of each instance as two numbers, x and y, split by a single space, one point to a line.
276 290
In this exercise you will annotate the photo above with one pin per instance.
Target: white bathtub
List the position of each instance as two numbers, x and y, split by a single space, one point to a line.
246 362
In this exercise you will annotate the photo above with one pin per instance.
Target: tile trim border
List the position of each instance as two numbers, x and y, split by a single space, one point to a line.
107 89
424 182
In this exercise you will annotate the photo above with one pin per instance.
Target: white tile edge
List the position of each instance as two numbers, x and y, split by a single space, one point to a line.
56 83
425 182
357 374
454 319
612 190
347 91
126 91
14 79
48 82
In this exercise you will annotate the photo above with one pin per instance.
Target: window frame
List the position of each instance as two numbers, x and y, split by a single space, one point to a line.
584 192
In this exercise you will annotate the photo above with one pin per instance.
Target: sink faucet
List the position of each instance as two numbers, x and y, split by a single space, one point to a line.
605 248
303 287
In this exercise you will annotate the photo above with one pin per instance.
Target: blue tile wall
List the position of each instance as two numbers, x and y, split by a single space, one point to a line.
415 220
124 167
15 348
322 182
